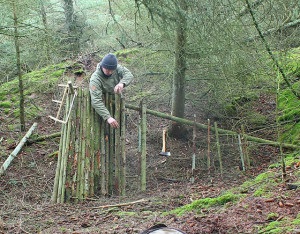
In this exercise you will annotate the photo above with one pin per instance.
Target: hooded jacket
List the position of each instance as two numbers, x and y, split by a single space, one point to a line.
100 84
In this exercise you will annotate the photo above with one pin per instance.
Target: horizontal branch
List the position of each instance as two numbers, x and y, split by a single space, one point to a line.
272 30
43 138
220 130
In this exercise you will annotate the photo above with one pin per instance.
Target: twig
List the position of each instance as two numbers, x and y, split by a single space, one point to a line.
121 204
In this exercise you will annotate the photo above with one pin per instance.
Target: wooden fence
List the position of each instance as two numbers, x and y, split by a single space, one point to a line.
91 157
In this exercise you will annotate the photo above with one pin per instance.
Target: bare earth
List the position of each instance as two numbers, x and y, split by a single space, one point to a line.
26 187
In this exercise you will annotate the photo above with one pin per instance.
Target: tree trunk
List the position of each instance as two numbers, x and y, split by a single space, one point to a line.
73 35
18 58
179 80
45 24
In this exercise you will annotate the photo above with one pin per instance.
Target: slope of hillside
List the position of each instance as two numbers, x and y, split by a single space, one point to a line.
258 200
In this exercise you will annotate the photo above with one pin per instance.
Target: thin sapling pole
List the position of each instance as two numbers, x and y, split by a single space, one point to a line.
219 148
17 149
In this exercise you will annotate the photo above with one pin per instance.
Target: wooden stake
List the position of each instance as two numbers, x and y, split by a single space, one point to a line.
241 152
143 127
219 148
208 146
117 145
245 147
194 152
123 149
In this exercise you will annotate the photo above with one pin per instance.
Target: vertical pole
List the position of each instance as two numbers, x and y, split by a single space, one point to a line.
194 151
143 145
241 152
218 148
208 146
107 149
57 173
94 175
77 157
88 160
61 185
84 161
123 150
102 162
71 156
97 147
80 165
245 147
111 149
117 145
66 150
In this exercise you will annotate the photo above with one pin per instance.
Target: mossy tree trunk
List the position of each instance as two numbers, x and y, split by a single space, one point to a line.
72 28
179 79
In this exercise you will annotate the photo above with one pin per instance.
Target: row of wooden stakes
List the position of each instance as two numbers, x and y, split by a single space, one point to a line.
91 157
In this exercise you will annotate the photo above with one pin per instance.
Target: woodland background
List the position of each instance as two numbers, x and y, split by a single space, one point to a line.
233 62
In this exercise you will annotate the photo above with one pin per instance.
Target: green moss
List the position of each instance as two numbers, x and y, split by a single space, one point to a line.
290 114
296 221
39 81
16 113
6 104
272 216
291 159
278 227
274 165
247 97
259 192
2 96
256 119
230 110
292 62
264 177
286 225
206 203
261 186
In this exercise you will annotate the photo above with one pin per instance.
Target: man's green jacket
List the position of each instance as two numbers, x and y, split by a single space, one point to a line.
100 83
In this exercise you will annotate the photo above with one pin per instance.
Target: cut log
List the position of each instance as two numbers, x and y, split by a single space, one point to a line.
17 149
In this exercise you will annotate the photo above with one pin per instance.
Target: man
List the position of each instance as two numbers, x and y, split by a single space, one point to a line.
109 77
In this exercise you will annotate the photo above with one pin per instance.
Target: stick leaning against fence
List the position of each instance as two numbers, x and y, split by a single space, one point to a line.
17 150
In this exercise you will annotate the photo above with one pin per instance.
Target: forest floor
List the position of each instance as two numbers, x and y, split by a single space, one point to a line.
26 188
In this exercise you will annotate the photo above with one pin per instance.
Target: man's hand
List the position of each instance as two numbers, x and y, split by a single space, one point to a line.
112 122
119 88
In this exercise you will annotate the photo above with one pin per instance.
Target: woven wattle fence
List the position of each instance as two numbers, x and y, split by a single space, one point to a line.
91 158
